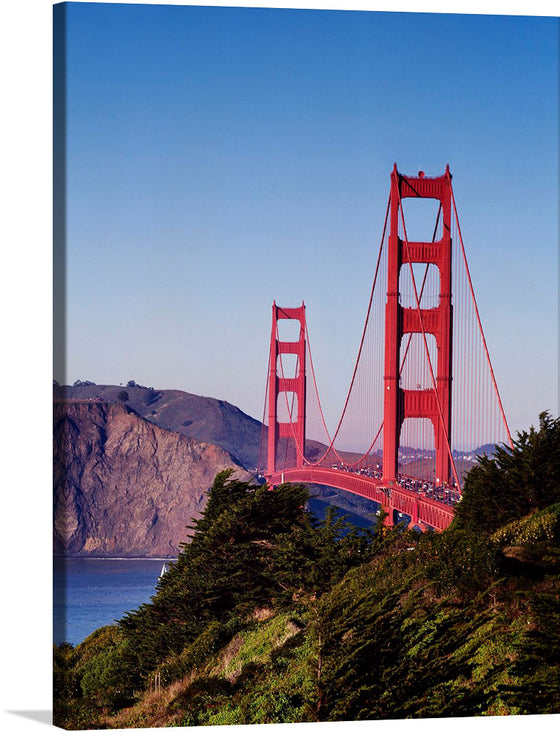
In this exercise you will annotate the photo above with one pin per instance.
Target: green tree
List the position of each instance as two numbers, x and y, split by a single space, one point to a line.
515 481
225 571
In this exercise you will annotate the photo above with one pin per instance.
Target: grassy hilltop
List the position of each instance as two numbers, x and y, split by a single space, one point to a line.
272 616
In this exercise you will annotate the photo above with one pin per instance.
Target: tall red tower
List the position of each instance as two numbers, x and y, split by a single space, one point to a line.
435 403
279 387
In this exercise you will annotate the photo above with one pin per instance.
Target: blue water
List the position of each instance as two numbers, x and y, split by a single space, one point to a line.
89 593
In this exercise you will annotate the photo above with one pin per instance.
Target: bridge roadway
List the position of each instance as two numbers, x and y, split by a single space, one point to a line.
424 512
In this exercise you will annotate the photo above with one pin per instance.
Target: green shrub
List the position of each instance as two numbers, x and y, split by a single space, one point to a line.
540 526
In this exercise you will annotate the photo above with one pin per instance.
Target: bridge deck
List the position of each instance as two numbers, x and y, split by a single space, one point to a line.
423 510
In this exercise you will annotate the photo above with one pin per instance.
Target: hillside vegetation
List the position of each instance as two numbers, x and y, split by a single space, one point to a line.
272 616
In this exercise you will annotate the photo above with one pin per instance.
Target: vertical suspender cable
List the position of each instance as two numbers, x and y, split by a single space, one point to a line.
479 321
419 310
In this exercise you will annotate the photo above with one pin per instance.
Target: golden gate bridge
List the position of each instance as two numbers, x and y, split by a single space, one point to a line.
423 398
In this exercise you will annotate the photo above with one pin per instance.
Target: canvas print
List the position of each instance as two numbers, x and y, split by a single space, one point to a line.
306 448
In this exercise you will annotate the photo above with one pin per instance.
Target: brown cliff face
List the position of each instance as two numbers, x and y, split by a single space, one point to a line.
123 486
204 418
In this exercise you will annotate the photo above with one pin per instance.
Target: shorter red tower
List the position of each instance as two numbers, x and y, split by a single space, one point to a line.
280 387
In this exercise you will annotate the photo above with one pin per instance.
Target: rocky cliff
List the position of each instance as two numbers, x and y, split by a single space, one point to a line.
124 486
204 418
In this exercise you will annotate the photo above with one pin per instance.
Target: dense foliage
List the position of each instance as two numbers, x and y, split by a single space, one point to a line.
515 481
272 616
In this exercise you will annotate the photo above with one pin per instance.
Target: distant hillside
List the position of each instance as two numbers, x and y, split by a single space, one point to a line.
204 418
123 486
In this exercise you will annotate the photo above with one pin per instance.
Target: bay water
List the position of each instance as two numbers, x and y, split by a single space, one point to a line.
89 593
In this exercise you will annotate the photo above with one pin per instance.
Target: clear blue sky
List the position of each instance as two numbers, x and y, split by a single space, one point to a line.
221 158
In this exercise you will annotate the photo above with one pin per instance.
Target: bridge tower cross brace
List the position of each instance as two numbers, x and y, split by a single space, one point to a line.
278 384
433 404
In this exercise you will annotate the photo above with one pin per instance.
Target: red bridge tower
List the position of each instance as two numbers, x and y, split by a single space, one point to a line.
435 403
279 387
